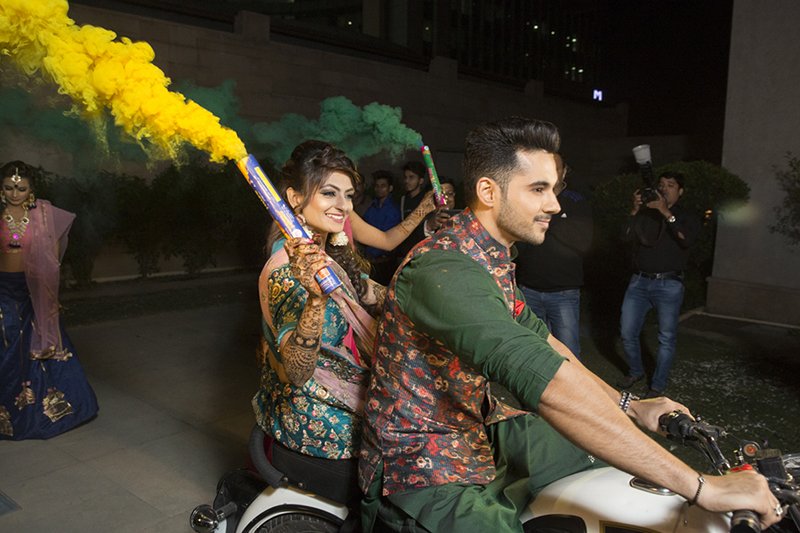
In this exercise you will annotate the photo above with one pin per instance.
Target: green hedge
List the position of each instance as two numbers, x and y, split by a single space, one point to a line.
709 190
191 211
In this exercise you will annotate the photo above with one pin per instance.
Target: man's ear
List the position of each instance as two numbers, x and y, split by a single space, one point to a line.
294 197
487 191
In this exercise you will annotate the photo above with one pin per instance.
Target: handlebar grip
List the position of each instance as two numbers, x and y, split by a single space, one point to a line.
745 522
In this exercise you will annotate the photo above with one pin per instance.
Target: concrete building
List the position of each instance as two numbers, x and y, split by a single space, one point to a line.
757 273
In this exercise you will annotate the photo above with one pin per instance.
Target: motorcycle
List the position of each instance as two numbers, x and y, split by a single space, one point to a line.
603 500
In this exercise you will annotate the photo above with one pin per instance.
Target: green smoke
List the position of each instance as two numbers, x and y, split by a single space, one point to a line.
360 132
36 117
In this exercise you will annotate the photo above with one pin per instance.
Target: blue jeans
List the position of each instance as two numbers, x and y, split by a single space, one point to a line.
561 312
643 294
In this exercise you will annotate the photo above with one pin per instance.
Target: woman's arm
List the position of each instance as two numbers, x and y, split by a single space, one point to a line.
388 240
300 347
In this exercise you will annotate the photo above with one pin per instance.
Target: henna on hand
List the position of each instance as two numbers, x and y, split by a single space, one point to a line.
300 349
306 259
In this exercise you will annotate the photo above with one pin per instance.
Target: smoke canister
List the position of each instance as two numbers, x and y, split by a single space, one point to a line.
434 177
280 211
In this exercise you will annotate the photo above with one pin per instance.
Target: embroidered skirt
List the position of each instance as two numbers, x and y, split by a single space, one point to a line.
38 398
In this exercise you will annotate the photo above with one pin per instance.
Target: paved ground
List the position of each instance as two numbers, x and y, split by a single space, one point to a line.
172 364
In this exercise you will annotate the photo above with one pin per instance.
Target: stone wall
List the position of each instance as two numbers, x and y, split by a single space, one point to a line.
274 78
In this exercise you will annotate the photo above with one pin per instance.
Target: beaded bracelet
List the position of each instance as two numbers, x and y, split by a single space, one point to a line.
700 482
626 399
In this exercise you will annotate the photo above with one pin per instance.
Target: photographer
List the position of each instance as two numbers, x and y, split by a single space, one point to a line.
662 233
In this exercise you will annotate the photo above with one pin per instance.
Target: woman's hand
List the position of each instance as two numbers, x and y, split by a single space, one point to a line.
306 258
427 204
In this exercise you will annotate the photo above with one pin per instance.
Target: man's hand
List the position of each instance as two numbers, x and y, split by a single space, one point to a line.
745 490
437 222
659 204
647 412
636 199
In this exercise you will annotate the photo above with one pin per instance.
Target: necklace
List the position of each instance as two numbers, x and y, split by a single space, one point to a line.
16 229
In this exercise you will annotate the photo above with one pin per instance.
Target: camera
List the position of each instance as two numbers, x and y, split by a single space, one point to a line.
642 155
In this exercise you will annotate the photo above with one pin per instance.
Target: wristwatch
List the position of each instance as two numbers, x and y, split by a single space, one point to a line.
671 219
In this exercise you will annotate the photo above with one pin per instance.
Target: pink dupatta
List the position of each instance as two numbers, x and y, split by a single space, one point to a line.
49 228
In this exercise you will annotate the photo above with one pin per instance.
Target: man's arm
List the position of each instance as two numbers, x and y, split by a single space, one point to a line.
575 405
645 412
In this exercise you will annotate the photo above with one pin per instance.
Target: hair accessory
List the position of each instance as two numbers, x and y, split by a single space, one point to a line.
15 177
339 239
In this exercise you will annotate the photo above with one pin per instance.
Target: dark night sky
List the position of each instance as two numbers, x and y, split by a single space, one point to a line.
672 67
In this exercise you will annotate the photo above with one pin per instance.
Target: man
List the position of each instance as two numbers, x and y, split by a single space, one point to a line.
551 274
415 176
662 234
384 214
439 452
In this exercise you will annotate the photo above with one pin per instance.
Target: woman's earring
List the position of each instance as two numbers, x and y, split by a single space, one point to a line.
30 203
3 199
339 239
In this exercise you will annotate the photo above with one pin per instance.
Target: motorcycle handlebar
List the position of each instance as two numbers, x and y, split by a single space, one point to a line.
745 522
681 426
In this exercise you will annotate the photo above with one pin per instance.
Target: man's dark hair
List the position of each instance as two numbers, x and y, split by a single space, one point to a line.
417 168
677 176
491 149
383 175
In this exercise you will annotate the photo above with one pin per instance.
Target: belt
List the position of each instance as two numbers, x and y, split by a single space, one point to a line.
676 275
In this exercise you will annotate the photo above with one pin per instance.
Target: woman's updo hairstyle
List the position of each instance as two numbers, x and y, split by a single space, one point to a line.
305 171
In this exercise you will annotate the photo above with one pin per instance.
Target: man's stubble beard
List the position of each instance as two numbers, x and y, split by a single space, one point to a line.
517 227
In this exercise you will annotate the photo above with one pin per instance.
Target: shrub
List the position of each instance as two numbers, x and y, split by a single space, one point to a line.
787 222
708 190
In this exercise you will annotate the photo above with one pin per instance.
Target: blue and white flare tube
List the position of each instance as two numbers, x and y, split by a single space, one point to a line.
283 215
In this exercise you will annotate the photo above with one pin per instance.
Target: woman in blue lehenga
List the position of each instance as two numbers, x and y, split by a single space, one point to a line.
43 390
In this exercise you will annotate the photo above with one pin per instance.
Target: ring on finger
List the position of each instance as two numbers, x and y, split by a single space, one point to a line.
778 510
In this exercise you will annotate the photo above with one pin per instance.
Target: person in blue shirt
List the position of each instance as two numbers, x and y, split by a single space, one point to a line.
384 214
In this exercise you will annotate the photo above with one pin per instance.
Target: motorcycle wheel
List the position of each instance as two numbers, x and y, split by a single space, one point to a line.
297 522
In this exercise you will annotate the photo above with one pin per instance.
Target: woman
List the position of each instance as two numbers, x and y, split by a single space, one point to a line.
315 350
43 391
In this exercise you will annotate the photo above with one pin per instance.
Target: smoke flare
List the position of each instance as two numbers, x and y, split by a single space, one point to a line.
98 72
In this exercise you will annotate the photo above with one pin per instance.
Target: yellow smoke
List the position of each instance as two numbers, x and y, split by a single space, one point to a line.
99 72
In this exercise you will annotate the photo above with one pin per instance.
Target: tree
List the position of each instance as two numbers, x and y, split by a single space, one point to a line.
787 222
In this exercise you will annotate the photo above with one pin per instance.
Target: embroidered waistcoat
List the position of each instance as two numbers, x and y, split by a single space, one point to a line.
426 410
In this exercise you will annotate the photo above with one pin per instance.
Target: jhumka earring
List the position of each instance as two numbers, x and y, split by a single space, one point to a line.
339 239
30 203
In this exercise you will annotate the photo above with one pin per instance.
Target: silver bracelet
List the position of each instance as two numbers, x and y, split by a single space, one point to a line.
626 399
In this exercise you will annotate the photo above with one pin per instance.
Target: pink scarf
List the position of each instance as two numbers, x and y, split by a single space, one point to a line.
48 227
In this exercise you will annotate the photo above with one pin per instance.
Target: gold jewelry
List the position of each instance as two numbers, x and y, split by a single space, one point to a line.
15 177
16 228
339 239
30 203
